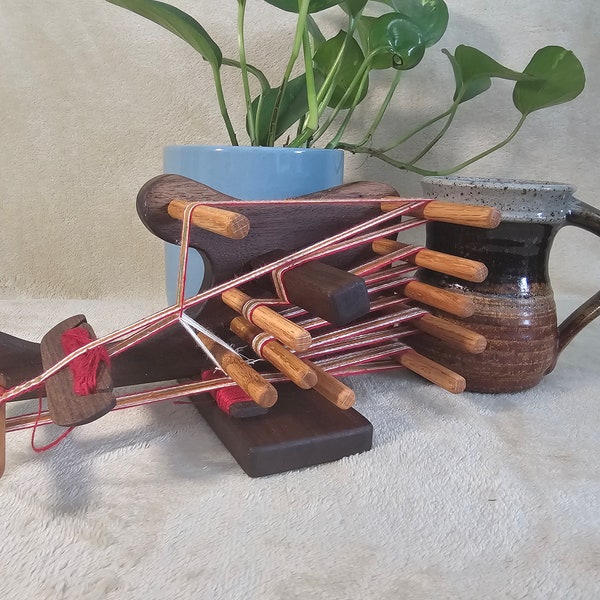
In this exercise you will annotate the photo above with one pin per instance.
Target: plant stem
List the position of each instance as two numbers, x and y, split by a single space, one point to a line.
499 145
355 81
438 137
223 105
340 132
379 154
260 76
328 87
244 70
300 27
382 109
410 167
410 134
312 121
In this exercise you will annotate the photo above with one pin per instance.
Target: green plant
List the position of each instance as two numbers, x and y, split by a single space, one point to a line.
335 77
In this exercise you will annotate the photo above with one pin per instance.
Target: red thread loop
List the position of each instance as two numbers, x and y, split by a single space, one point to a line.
57 441
226 397
85 367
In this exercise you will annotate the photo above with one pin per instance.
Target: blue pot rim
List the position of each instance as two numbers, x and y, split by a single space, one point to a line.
247 149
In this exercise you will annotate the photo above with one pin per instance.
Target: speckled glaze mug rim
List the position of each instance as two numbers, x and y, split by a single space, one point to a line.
518 200
500 183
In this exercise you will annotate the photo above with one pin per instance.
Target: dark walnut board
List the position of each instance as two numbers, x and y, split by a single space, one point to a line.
301 430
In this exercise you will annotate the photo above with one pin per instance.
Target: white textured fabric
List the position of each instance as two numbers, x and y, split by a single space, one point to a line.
469 496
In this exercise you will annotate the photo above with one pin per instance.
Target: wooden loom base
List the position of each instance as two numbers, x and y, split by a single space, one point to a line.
301 430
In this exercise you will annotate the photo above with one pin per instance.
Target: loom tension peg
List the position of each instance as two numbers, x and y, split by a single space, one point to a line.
332 389
455 335
286 331
459 305
227 223
455 266
432 371
279 356
448 212
257 388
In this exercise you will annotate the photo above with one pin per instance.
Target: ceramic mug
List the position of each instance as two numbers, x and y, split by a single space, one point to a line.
515 306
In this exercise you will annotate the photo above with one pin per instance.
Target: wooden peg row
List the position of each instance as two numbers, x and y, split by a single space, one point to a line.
453 334
456 266
222 222
267 319
331 388
456 304
260 390
432 371
448 212
281 358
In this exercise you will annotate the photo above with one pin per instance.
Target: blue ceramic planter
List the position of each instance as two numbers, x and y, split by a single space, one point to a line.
248 173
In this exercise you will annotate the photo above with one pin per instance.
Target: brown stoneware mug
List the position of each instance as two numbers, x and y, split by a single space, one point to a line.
515 306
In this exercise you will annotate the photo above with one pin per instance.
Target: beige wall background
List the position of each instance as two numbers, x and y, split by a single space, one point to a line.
90 93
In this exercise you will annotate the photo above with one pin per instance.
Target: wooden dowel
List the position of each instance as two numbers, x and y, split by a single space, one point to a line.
260 390
223 222
265 318
449 212
2 427
456 304
281 358
455 335
331 388
2 439
432 371
456 266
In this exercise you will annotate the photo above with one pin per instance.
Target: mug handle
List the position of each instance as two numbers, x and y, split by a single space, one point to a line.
586 217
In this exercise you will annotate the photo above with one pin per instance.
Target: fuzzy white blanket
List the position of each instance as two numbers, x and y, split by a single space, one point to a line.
468 496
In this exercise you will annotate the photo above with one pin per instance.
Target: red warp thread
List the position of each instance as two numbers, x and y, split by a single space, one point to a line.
226 397
57 441
85 367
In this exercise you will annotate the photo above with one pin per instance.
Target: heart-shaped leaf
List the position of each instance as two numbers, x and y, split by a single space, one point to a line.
353 7
397 41
177 22
315 32
352 59
430 16
556 77
473 72
466 89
